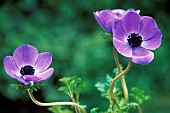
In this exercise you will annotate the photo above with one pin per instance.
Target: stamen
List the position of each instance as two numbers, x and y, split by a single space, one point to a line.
27 70
134 40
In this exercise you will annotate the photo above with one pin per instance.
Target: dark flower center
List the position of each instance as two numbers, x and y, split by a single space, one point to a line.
27 70
134 40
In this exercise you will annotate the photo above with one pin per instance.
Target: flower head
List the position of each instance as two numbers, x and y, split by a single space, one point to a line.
27 65
105 18
135 36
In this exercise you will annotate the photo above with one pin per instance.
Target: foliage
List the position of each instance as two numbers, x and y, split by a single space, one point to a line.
23 87
94 110
120 106
72 87
59 109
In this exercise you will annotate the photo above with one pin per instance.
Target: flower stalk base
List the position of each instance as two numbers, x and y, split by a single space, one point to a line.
55 103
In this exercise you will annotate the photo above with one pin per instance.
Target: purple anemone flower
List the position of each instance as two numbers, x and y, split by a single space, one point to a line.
27 65
105 18
135 36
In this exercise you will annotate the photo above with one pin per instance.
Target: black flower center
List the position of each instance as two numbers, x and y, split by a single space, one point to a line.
134 40
27 70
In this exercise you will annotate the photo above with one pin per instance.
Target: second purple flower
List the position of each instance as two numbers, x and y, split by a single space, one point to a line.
106 18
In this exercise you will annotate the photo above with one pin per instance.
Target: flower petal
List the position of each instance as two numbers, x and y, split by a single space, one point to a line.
136 11
119 13
10 66
43 62
142 56
123 47
29 78
25 55
103 17
110 24
39 77
153 43
118 31
148 27
130 22
99 20
21 79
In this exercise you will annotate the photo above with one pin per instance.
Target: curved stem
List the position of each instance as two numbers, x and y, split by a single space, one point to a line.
54 103
122 79
115 79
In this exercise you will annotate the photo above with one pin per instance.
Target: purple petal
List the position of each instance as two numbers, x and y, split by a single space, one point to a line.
10 66
41 76
99 20
153 43
118 31
123 47
12 69
29 78
25 55
142 56
103 17
148 28
130 22
43 62
119 13
136 11
110 24
21 79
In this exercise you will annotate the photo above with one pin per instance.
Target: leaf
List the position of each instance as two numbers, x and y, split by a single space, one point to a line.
72 85
59 109
100 86
139 95
65 90
107 35
94 110
23 87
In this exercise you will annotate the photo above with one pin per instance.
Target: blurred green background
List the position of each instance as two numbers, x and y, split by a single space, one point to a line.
68 29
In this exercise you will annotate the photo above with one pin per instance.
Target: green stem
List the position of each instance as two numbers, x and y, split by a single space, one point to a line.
54 103
117 77
122 79
139 109
73 100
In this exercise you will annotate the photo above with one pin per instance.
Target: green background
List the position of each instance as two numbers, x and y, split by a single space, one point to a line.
68 29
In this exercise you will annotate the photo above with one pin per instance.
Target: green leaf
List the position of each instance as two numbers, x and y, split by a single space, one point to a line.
100 86
107 35
116 71
65 90
94 110
23 87
73 86
59 109
139 95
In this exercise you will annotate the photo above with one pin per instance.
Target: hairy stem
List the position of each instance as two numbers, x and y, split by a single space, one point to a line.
73 100
55 103
117 77
122 79
139 109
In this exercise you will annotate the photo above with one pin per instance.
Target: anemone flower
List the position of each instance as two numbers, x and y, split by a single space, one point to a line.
135 36
27 65
105 18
